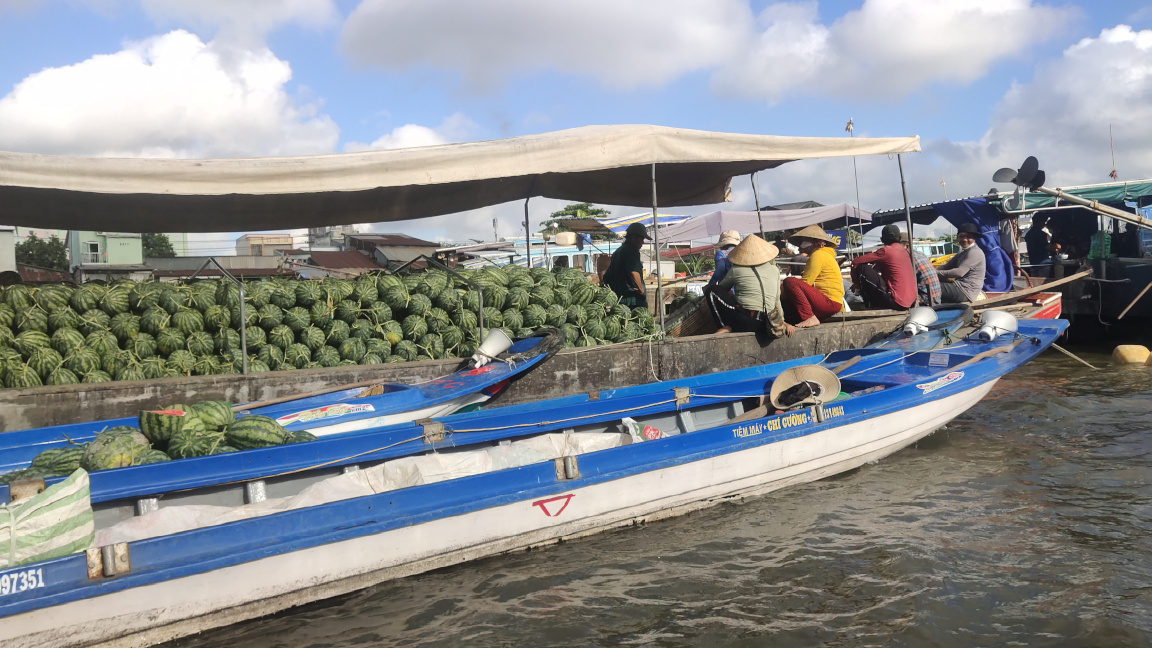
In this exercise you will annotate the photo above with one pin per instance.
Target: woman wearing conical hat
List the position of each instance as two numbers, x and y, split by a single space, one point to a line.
754 303
818 293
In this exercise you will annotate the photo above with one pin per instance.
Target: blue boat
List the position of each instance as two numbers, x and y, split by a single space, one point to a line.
483 483
338 412
385 441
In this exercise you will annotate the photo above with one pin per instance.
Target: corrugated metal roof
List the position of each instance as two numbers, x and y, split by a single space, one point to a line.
36 274
391 240
345 259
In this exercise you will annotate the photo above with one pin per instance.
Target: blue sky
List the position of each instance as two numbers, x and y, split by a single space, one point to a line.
984 83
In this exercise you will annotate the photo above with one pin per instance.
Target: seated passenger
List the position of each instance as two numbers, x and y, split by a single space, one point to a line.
754 303
818 293
885 278
964 272
728 240
927 283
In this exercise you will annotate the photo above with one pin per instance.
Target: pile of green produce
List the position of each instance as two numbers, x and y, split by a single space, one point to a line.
59 334
176 432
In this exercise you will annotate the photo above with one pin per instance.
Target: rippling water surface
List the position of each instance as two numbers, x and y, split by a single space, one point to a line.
1026 521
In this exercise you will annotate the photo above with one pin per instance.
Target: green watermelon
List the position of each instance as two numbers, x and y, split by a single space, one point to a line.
255 338
542 296
182 360
270 356
86 297
194 439
337 332
130 372
352 349
143 345
393 332
124 326
97 376
115 300
7 316
158 426
61 376
114 448
432 345
378 313
284 296
414 326
66 339
347 311
447 300
321 314
188 321
82 360
312 337
271 316
405 349
281 336
67 460
44 361
254 431
308 293
382 348
297 355
217 317
297 319
32 319
169 340
154 367
102 342
63 317
576 316
93 321
151 457
556 315
562 296
327 356
143 296
362 329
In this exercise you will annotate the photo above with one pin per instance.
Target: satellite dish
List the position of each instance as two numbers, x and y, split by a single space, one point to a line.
1004 175
1027 172
1037 181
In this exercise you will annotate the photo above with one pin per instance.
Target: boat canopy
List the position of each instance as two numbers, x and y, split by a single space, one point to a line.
603 164
747 222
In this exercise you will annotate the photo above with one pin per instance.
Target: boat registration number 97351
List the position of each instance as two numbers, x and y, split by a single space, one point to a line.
21 581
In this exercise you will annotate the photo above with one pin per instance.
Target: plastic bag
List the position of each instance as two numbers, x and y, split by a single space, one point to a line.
640 433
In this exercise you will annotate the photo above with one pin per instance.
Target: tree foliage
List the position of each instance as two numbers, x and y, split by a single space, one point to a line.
157 245
575 210
44 253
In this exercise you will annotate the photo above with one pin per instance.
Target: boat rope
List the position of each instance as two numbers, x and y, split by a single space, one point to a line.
1073 355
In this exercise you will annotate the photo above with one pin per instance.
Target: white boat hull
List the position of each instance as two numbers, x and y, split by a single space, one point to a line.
162 611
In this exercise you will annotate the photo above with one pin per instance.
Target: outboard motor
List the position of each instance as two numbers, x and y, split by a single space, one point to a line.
994 323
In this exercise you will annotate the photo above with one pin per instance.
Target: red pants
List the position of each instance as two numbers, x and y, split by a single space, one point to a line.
805 301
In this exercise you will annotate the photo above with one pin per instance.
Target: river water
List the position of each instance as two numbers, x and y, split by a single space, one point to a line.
1026 521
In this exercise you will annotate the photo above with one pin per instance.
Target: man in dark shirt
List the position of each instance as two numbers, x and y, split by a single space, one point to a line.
1037 242
885 278
625 274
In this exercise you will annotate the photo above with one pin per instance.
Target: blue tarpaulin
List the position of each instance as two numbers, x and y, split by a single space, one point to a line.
998 264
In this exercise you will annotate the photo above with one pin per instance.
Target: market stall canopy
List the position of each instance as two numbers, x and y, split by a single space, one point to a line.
602 164
746 222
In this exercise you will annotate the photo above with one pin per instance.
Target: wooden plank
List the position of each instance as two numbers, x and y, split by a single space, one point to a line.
1017 294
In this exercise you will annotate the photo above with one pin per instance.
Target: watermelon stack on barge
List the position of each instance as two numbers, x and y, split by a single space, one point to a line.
569 470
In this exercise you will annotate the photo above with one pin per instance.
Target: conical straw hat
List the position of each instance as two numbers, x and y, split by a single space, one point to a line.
752 251
812 232
826 386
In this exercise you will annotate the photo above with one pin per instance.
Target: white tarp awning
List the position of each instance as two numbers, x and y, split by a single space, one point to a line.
711 224
609 165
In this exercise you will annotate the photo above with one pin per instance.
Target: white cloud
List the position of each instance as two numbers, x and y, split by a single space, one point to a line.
168 96
243 23
1062 117
455 128
886 48
623 44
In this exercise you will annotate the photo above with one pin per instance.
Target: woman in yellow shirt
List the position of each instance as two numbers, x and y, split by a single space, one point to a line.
819 293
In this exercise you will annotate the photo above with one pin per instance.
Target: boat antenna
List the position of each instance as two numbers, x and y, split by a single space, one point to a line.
851 128
1112 148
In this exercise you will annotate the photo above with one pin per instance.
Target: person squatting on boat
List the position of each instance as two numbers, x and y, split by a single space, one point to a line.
927 283
754 303
728 240
818 293
964 272
884 278
625 273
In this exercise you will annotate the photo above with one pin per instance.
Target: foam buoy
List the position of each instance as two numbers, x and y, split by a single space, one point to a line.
1130 354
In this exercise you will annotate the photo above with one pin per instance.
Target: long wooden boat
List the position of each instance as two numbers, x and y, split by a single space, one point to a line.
508 484
338 412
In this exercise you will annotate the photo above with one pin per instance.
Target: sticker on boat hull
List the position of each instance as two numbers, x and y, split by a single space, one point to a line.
930 387
327 411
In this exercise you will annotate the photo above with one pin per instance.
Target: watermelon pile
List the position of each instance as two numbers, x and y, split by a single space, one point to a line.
59 334
175 432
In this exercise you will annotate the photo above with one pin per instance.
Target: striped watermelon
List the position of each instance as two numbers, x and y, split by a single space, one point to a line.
158 426
44 361
393 332
254 338
405 349
64 340
297 318
63 317
113 362
32 319
199 344
347 311
151 457
270 356
226 339
19 297
352 349
254 431
154 320
327 356
271 316
337 332
154 367
114 448
144 296
124 326
17 375
281 336
143 345
61 376
312 337
115 300
414 326
308 293
182 360
362 329
28 341
216 317
96 376
188 321
284 296
94 320
321 314
169 340
297 355
562 296
194 439
7 316
82 360
86 297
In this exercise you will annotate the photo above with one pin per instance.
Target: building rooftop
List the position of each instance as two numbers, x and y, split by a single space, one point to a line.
390 240
345 259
